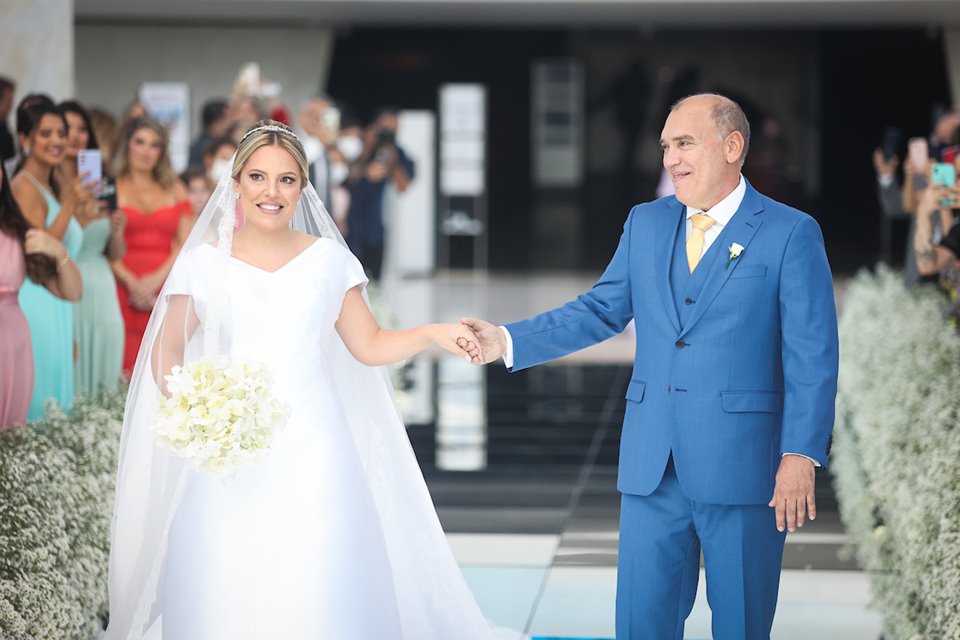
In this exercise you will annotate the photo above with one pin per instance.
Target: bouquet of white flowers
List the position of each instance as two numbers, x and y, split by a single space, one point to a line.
221 413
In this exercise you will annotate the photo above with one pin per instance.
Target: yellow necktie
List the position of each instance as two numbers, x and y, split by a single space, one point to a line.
701 222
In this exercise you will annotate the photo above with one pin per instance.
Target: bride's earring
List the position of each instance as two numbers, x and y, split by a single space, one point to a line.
239 218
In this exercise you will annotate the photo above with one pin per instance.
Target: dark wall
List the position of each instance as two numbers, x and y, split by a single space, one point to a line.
863 81
405 68
869 80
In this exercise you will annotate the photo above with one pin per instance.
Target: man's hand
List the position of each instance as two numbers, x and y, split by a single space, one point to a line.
793 494
492 342
459 340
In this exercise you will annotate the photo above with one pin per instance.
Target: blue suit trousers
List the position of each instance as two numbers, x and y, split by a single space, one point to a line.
661 538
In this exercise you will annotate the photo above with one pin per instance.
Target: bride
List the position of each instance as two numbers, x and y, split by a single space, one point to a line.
332 534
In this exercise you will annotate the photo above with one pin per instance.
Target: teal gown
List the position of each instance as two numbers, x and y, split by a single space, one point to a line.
97 323
51 327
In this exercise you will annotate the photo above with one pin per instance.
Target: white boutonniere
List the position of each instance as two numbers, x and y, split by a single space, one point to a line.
735 250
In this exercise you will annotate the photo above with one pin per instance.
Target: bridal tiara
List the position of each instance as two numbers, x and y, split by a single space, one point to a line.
269 127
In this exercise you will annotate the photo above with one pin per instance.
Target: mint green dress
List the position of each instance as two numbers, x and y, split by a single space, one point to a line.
97 323
51 326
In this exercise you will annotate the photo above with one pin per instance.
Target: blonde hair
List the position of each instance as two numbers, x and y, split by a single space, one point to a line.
272 133
162 171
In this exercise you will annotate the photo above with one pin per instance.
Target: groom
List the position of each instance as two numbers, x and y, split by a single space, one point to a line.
731 402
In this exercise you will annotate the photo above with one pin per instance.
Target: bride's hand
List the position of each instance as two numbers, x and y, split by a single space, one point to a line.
452 336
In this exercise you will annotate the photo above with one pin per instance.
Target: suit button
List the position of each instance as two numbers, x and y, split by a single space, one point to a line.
681 344
689 301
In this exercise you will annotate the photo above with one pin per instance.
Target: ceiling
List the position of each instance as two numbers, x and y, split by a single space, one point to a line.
643 14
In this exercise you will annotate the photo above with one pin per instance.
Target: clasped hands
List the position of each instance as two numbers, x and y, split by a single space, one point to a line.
478 341
793 496
143 291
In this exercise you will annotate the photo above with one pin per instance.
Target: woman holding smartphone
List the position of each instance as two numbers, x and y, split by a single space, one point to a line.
51 207
97 322
159 218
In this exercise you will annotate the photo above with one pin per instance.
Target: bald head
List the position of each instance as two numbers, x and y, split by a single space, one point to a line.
704 144
727 116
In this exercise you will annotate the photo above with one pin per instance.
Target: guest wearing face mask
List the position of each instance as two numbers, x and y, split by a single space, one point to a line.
217 158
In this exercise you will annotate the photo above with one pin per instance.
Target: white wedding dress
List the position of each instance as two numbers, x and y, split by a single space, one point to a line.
292 546
332 535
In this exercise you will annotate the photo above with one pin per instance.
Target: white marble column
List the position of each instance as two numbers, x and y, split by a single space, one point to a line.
36 46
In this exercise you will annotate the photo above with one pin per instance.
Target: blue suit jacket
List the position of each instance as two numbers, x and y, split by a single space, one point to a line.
752 375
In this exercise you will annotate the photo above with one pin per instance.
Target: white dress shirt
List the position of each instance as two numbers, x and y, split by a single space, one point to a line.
721 213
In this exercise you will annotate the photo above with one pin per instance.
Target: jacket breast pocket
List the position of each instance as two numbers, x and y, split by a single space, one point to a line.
635 390
749 271
751 401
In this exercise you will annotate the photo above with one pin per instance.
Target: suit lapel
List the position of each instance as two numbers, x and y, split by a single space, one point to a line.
668 225
743 226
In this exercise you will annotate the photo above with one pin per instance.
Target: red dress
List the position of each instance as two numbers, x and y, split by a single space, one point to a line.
149 238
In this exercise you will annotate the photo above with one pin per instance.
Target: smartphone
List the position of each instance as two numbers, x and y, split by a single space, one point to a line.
109 194
89 162
945 174
890 143
918 154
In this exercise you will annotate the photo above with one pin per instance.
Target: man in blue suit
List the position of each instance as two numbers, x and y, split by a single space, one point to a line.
731 402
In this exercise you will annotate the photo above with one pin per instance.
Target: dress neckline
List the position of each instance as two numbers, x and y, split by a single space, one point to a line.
178 203
278 269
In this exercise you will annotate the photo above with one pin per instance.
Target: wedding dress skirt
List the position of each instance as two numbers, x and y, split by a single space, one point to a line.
332 535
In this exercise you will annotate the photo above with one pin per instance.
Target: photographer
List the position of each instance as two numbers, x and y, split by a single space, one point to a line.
383 162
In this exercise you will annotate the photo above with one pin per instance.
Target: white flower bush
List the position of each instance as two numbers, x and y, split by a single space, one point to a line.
56 501
896 455
221 413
